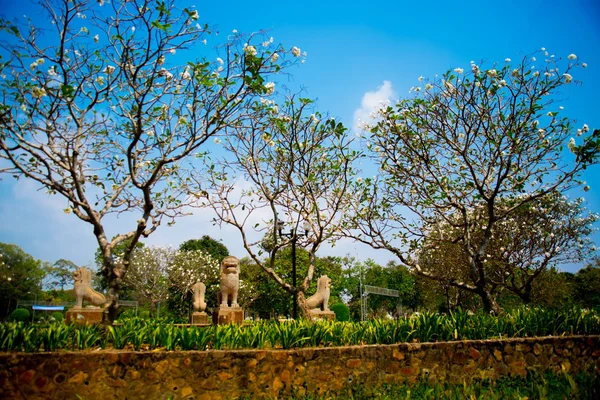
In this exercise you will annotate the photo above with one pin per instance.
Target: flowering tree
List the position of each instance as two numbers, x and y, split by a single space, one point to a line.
289 167
462 144
95 109
147 274
538 236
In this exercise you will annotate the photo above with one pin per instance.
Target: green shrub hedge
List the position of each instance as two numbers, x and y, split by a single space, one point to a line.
342 312
20 315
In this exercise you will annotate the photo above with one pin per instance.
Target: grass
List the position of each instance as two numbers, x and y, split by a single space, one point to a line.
149 334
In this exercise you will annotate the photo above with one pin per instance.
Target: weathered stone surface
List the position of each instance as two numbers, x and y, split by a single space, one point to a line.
264 373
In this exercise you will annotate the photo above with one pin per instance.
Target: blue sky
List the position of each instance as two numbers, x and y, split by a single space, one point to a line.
353 48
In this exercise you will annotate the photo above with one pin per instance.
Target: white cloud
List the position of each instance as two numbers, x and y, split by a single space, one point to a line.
371 102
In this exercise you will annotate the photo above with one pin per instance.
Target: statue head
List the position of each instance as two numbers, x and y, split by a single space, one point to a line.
323 283
82 275
230 265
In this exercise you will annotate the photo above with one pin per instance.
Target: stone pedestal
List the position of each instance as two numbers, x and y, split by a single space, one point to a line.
326 315
200 318
84 315
228 315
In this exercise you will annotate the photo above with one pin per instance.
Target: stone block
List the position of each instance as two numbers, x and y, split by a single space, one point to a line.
84 315
200 319
228 315
326 315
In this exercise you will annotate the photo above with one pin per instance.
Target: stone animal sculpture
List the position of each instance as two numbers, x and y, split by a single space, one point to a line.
320 300
199 289
83 289
230 282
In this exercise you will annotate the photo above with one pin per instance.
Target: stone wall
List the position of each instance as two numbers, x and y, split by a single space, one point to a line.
266 373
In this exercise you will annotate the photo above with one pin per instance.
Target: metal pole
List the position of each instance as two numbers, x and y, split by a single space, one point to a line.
295 309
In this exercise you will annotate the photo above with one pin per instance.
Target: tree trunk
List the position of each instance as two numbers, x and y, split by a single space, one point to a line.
303 306
490 305
113 275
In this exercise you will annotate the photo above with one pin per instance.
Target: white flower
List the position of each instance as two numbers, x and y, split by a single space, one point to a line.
296 51
536 73
568 78
40 61
502 83
584 65
220 60
249 50
172 51
421 78
547 255
161 60
52 71
194 16
133 29
507 60
38 92
359 180
515 73
100 80
33 65
270 87
24 107
585 128
67 210
182 120
109 69
274 57
478 84
217 140
572 56
492 73
185 75
100 3
474 69
586 188
543 49
533 59
163 72
428 86
572 145
458 70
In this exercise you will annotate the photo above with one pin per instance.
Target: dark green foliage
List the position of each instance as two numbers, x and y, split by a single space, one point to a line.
342 312
20 315
21 275
149 334
207 244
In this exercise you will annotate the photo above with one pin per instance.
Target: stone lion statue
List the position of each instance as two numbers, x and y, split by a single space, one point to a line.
320 299
230 282
199 289
83 289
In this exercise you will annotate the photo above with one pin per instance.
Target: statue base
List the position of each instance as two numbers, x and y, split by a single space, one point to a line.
200 319
326 315
228 315
84 315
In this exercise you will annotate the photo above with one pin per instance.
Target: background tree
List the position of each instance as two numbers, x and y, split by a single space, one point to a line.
20 277
60 274
451 154
586 284
207 244
287 166
95 108
147 275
